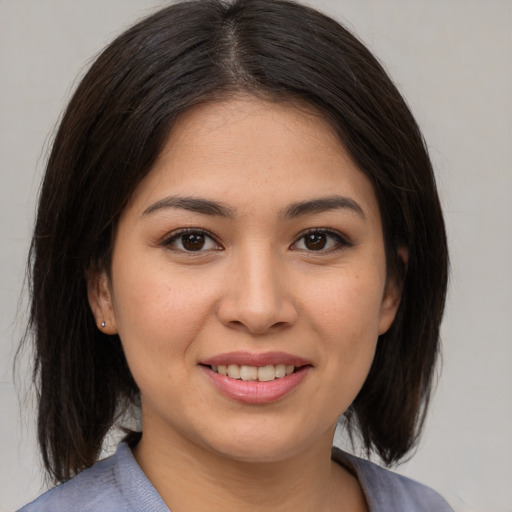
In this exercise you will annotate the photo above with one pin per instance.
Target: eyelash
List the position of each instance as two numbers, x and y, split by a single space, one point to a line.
175 236
340 242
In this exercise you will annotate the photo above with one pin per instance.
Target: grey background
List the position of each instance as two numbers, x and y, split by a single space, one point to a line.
452 61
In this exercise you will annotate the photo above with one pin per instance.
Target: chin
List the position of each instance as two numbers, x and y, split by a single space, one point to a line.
263 447
258 454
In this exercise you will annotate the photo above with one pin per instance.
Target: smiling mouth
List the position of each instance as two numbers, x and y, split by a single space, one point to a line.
266 373
256 379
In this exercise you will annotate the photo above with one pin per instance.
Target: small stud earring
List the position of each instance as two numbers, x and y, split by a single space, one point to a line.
103 324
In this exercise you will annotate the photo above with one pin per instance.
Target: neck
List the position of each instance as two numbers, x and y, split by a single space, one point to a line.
188 477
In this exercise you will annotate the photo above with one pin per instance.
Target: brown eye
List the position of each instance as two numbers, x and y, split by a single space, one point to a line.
191 240
315 241
321 240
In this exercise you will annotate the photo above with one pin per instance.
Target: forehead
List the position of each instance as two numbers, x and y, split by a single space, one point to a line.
254 153
260 120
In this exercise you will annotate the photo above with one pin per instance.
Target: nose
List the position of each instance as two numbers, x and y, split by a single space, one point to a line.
258 294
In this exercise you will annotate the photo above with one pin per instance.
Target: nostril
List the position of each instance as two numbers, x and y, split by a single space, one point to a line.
256 313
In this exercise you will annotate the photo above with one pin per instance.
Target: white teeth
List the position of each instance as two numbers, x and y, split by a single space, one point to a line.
266 373
248 373
252 373
234 371
280 371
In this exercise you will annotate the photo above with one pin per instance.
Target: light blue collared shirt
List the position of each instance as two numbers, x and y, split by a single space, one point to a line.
118 484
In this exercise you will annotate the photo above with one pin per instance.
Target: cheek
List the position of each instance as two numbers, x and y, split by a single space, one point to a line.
349 304
346 315
158 314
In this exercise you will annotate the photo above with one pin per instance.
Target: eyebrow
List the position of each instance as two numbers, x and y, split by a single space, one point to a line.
322 204
214 208
193 204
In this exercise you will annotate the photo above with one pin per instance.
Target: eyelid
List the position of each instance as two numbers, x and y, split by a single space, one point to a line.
343 241
174 235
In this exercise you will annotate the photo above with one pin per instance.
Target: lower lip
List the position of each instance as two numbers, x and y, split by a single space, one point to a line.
255 392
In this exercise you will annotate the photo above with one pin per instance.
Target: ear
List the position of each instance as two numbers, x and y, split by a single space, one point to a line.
392 294
100 301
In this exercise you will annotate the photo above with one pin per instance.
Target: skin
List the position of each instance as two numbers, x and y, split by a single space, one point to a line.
254 286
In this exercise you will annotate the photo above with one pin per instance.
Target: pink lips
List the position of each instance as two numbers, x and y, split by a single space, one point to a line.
255 392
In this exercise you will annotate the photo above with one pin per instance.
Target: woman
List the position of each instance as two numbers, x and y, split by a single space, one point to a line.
238 233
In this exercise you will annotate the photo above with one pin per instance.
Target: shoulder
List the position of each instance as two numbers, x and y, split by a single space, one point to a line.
86 491
386 491
115 484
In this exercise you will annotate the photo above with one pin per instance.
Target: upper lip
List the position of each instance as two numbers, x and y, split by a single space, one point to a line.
251 359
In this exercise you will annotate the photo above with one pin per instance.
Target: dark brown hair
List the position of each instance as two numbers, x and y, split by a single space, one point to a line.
109 137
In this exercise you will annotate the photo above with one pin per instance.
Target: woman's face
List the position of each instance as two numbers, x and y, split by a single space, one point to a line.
254 247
